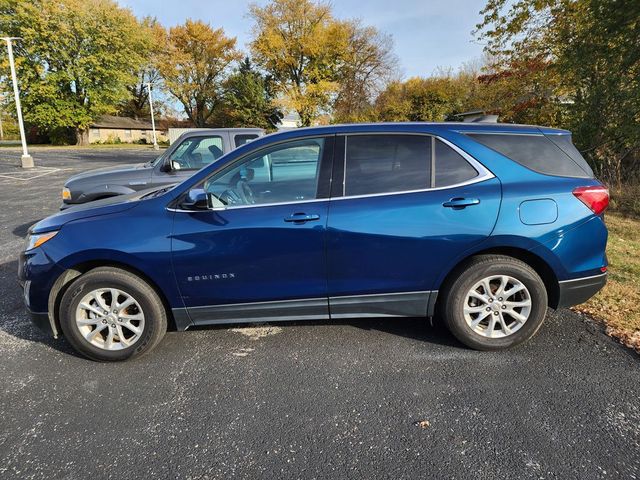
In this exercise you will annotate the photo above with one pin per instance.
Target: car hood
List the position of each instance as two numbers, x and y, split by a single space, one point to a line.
117 171
105 206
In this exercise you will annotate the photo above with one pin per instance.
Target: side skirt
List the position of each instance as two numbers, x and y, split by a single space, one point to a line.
277 311
403 304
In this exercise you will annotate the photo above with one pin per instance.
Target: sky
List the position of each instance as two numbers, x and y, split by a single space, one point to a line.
428 34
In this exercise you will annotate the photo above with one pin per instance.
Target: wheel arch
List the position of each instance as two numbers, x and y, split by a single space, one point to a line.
541 266
63 282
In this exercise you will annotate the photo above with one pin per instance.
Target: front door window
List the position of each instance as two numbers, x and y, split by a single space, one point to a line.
282 174
197 152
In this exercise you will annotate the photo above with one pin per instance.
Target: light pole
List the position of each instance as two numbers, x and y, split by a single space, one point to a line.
153 122
26 160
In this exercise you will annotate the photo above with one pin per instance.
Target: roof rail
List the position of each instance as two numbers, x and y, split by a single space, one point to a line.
476 116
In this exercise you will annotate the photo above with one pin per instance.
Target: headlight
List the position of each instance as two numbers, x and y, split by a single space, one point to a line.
66 194
37 239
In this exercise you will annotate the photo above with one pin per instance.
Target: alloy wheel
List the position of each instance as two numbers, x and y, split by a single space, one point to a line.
110 319
497 306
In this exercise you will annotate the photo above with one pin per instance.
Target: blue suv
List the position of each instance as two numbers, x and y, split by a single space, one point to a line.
481 225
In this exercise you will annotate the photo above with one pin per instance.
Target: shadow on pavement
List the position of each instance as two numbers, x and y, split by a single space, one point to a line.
419 329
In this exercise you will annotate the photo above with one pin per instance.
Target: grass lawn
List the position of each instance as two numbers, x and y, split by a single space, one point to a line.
618 304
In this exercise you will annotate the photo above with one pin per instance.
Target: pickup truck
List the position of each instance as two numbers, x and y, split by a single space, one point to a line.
193 150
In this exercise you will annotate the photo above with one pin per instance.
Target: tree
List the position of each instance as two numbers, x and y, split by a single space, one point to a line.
74 60
137 105
599 55
194 66
591 55
368 65
423 99
301 46
249 100
525 90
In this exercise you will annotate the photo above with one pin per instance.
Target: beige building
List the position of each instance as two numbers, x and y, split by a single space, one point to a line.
110 129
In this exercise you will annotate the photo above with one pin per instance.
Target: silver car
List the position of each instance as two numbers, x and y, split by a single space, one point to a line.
190 152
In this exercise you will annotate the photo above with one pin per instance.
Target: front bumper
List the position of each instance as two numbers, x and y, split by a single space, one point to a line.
36 273
579 290
41 320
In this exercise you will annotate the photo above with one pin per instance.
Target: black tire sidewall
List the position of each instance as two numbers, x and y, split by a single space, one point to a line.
83 285
457 295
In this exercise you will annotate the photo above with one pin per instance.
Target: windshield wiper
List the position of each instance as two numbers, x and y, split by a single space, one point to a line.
158 192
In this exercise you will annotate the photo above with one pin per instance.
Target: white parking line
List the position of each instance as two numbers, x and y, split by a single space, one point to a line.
25 176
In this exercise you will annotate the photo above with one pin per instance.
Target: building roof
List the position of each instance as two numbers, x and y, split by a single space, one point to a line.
111 121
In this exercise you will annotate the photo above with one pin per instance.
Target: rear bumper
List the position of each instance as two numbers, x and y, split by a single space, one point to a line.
579 290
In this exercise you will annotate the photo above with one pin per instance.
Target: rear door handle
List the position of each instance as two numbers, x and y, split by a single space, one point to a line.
301 218
461 202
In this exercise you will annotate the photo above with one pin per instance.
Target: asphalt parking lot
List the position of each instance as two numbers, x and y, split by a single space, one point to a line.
364 399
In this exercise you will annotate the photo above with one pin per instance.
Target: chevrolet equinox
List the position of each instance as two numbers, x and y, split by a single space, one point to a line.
484 226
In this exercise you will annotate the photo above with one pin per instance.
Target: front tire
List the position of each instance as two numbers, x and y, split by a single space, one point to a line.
109 314
494 302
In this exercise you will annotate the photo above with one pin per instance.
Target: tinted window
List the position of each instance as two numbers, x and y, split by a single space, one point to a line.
244 138
450 167
564 143
536 152
196 152
387 163
300 161
281 174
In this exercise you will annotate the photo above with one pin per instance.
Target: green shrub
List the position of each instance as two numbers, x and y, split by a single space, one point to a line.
626 199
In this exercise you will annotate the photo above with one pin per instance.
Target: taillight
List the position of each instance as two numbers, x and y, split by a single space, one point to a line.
595 197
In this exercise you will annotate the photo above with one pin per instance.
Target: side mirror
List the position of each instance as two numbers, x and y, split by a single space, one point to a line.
166 166
175 165
196 199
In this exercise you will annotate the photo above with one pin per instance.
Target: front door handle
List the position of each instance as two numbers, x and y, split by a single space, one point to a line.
301 218
461 202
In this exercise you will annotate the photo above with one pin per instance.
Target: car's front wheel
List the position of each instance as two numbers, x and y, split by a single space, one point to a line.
109 314
494 302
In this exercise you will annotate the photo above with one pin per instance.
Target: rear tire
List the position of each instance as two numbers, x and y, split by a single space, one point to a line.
494 302
109 314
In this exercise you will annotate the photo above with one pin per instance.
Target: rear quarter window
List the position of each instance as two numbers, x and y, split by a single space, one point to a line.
450 167
564 143
536 152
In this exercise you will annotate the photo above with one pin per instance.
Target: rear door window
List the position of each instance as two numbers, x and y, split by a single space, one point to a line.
536 152
243 138
387 163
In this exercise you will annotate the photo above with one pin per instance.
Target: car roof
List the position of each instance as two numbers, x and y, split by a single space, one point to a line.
206 131
417 127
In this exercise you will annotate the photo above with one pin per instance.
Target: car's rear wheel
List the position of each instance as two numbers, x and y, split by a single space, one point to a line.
494 302
109 314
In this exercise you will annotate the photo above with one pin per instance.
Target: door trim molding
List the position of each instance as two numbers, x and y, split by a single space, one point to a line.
396 304
275 311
